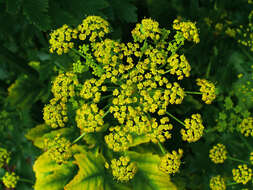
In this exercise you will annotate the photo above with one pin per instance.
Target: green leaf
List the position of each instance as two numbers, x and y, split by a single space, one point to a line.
41 132
149 177
36 134
36 12
50 175
92 173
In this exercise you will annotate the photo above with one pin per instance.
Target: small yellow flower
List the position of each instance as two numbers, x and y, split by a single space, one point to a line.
122 169
58 149
242 174
246 127
208 90
10 180
147 29
189 30
217 183
218 154
60 40
4 157
194 128
171 162
251 158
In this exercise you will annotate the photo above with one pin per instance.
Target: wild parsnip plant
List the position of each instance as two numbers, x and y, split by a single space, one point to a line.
113 103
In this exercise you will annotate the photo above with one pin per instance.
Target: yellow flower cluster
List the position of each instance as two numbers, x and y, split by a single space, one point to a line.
147 29
246 127
60 40
122 169
208 90
55 113
10 180
92 88
218 154
217 183
189 30
179 66
251 158
4 157
64 85
59 149
118 139
242 174
89 118
194 128
93 26
171 162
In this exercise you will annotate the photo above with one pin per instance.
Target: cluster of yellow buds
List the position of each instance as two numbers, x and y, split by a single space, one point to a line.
10 180
189 30
242 174
55 113
118 139
60 40
147 29
208 90
122 169
4 157
194 128
218 154
246 127
93 26
251 158
89 118
217 183
179 66
59 149
64 85
171 162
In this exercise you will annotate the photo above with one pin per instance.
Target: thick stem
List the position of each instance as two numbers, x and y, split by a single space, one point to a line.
26 180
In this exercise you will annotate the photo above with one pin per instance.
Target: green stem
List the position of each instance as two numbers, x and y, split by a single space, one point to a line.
175 118
208 69
26 180
108 111
190 92
78 138
211 130
78 53
238 160
166 71
60 66
161 148
232 183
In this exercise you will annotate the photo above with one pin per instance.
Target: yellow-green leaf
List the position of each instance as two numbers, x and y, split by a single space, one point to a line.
148 176
50 175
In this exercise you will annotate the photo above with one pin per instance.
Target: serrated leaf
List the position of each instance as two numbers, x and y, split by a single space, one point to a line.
36 12
92 173
50 175
36 134
149 177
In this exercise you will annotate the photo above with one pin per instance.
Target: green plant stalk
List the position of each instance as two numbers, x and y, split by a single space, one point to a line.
175 118
237 160
26 180
161 148
190 92
78 138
